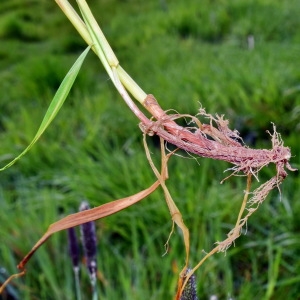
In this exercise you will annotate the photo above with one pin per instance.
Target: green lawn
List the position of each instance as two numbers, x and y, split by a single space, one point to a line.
239 58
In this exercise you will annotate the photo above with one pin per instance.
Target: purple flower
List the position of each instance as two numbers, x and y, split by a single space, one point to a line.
89 242
189 292
73 247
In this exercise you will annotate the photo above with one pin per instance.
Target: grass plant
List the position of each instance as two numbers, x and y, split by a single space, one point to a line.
187 54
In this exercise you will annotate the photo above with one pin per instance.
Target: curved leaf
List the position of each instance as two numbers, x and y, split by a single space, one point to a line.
56 103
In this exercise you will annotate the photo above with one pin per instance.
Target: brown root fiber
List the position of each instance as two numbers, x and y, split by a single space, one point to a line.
215 140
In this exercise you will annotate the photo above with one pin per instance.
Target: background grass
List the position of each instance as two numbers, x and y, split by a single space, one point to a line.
187 54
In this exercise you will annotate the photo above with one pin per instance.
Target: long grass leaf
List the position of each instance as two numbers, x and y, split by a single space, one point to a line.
90 215
79 218
55 104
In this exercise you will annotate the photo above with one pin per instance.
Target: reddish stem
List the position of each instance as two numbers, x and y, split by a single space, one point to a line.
223 147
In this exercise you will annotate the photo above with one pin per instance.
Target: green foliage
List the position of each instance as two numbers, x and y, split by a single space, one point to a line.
55 105
185 53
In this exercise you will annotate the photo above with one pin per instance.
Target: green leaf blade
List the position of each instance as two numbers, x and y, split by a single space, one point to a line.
55 105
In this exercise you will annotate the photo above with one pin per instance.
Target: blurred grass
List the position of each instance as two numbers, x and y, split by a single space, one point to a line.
185 54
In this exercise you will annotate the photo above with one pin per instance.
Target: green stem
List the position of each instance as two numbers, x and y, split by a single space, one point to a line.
93 35
131 85
103 50
76 21
77 283
95 294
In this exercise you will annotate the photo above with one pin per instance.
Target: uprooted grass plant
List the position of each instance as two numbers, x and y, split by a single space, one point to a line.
204 135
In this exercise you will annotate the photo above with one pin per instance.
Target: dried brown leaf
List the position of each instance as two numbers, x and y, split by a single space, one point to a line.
82 217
